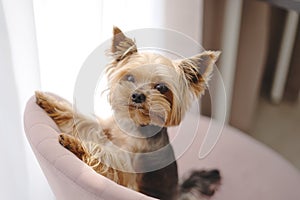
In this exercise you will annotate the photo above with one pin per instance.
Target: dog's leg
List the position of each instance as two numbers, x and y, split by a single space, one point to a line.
74 145
69 121
60 111
78 148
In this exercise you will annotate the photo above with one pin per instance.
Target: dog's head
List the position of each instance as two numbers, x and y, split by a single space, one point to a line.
151 89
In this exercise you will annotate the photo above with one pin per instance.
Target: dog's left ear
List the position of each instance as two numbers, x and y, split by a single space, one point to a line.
197 70
122 46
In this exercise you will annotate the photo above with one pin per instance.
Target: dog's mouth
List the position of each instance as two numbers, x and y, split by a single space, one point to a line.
153 118
138 109
135 107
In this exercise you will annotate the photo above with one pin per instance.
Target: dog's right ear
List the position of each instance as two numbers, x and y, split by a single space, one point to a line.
122 46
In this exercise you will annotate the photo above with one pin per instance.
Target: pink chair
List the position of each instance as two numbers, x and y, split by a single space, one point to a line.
250 171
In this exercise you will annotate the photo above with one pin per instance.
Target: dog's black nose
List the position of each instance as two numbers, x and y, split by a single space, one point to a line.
138 97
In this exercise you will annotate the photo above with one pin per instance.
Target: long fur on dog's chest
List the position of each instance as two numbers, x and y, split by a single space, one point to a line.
163 161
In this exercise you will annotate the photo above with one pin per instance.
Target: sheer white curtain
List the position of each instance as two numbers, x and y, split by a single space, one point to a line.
68 31
48 41
20 175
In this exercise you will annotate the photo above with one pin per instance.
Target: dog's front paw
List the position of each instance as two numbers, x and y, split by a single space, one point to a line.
72 144
45 101
60 111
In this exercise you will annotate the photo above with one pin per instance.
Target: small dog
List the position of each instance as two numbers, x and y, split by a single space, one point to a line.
148 93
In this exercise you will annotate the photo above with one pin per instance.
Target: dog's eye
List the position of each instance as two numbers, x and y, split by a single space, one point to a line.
129 78
162 88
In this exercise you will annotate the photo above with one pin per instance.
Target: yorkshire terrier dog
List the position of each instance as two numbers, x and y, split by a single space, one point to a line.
148 93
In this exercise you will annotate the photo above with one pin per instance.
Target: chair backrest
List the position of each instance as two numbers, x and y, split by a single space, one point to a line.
249 169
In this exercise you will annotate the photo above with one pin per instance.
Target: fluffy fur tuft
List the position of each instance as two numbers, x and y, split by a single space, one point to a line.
148 93
199 185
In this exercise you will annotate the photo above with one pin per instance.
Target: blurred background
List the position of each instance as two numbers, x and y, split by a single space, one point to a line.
260 66
44 43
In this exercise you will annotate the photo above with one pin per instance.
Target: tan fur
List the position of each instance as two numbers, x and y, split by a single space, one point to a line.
105 145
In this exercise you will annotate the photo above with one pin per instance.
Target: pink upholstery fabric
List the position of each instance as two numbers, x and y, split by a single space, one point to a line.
250 170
